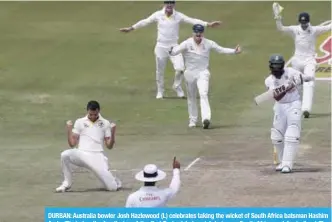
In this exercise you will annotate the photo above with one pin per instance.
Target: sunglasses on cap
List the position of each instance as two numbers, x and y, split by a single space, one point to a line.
169 2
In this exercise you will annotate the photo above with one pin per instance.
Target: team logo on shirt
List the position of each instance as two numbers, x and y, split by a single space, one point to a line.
300 33
101 124
149 197
85 125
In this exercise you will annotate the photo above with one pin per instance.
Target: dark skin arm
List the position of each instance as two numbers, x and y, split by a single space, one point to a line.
279 96
280 92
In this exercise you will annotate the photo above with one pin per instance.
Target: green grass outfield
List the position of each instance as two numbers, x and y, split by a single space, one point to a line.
55 56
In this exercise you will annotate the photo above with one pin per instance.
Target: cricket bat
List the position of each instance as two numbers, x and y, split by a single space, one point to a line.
265 96
275 161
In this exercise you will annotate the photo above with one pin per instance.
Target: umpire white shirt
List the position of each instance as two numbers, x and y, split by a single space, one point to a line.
168 27
197 57
91 134
152 196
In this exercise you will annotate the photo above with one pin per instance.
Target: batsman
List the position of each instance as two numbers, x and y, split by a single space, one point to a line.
286 84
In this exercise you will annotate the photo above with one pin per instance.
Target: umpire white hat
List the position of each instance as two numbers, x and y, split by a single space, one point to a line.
150 173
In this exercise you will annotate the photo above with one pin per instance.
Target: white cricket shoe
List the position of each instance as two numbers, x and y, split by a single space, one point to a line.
286 169
279 167
192 124
159 95
62 189
179 92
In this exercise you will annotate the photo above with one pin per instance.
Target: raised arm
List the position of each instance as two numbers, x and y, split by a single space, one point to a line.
322 29
73 133
192 21
174 187
178 49
142 23
282 28
223 50
110 136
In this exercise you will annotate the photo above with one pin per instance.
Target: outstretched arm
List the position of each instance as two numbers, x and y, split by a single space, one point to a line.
174 187
140 24
282 28
322 29
223 50
195 21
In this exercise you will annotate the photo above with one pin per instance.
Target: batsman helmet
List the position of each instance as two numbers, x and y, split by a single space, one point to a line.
197 28
277 64
304 18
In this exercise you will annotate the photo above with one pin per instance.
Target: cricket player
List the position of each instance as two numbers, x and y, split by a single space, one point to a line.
286 129
151 196
196 52
304 58
168 23
90 134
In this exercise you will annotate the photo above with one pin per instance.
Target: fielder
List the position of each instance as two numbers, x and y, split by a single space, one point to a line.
286 130
196 51
304 60
168 22
90 134
149 195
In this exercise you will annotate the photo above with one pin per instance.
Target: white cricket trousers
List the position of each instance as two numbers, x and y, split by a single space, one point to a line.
97 162
306 65
286 131
198 80
162 56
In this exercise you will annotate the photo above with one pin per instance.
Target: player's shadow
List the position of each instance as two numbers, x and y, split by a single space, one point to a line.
91 190
320 115
298 169
221 126
301 168
174 97
309 170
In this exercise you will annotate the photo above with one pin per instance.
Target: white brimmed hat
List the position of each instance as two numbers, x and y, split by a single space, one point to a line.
150 173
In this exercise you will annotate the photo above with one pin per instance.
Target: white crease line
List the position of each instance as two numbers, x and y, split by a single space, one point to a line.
308 133
306 146
192 164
